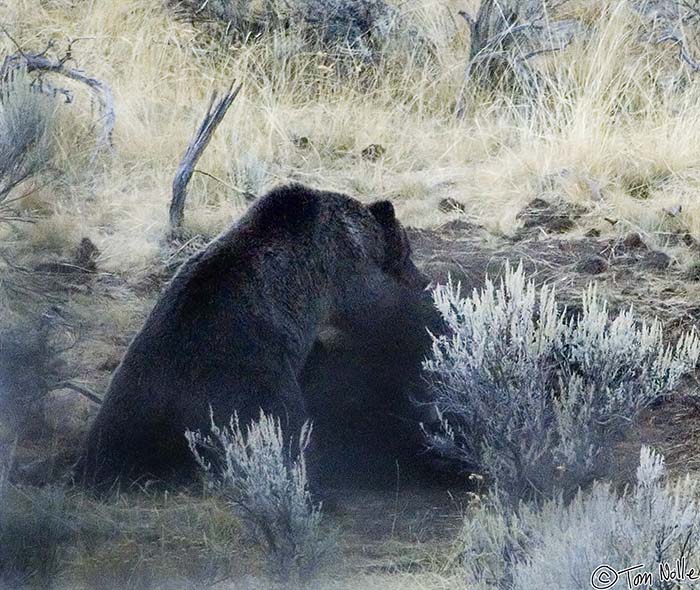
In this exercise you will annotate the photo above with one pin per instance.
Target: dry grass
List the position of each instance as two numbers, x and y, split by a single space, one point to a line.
61 538
609 135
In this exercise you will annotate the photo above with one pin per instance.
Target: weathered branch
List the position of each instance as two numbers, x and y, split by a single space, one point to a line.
84 391
505 37
666 22
41 62
683 52
215 114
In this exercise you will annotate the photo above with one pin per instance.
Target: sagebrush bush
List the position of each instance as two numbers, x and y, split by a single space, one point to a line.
265 481
505 37
35 529
535 398
31 365
560 545
359 29
26 126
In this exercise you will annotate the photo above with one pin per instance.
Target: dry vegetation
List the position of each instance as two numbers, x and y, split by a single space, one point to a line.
613 133
615 129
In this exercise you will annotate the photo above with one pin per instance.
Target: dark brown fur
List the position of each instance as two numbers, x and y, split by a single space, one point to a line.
233 329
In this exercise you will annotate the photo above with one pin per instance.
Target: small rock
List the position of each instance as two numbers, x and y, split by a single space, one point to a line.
460 225
302 142
560 224
656 260
633 241
551 217
593 265
533 210
86 255
373 152
450 205
109 364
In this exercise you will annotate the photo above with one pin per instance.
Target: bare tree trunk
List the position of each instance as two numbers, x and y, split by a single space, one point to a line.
215 114
479 28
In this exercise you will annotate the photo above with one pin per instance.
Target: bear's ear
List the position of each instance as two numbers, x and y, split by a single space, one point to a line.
291 208
383 212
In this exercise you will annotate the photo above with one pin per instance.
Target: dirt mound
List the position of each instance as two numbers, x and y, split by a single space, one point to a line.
626 270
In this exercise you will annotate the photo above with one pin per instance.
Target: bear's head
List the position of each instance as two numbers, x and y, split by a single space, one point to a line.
395 259
360 252
382 293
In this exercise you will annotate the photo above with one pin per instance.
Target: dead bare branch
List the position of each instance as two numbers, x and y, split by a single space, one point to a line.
43 63
215 114
668 22
683 52
504 36
84 391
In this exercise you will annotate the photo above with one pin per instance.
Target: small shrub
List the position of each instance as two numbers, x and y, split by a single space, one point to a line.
31 364
267 486
34 531
505 36
535 399
26 143
559 545
359 29
23 367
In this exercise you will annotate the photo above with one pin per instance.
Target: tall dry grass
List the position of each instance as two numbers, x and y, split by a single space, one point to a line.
615 129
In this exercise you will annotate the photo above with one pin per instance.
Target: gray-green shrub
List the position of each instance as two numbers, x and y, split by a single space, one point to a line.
359 29
35 529
560 545
265 482
534 398
26 127
505 37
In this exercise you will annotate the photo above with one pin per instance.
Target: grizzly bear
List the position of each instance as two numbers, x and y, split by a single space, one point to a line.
233 329
370 407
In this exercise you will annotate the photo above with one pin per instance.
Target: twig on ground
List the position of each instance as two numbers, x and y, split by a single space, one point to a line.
84 391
